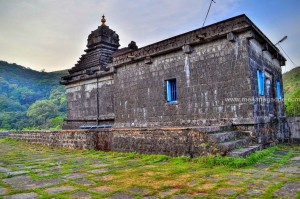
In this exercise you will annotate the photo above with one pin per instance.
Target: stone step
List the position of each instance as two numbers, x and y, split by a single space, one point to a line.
231 145
224 136
241 153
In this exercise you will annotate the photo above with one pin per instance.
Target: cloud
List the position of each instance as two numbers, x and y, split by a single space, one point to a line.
52 34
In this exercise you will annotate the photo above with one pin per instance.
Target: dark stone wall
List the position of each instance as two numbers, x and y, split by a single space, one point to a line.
172 142
169 141
294 126
78 139
3 134
260 58
269 123
217 70
90 103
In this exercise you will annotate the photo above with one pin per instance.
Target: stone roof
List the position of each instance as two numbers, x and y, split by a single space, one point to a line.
103 35
102 47
217 30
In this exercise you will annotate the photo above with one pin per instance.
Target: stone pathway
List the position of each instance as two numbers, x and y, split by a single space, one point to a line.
32 171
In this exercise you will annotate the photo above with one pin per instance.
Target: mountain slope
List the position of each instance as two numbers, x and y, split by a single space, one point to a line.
20 88
291 87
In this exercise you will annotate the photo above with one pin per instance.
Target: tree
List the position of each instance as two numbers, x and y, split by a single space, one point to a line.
292 104
41 111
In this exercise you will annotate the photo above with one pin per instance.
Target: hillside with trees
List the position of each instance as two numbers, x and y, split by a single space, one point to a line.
291 82
30 99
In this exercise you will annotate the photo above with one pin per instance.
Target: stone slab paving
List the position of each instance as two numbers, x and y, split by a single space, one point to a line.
30 195
193 183
122 195
38 184
242 197
81 195
290 170
99 165
76 174
180 197
297 158
226 191
254 192
149 197
102 189
55 190
167 193
288 190
84 182
15 173
2 191
18 180
139 190
99 171
43 174
4 170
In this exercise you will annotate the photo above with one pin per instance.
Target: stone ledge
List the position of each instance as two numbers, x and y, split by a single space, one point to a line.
175 141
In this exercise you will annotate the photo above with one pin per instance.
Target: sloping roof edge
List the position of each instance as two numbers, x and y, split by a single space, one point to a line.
246 24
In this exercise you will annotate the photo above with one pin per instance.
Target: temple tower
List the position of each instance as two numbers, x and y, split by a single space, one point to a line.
89 83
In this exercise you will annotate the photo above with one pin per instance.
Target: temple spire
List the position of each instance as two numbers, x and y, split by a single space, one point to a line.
103 20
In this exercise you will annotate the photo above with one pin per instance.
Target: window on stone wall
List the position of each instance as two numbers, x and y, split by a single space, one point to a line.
260 82
171 90
278 90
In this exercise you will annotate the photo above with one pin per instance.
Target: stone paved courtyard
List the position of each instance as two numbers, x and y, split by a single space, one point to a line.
34 171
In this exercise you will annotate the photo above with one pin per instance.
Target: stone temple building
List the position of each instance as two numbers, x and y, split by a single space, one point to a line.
227 73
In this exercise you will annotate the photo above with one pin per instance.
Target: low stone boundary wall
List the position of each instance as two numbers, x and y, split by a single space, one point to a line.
172 141
3 134
77 139
294 125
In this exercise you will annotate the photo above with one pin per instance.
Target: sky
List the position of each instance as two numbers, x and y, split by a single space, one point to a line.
52 34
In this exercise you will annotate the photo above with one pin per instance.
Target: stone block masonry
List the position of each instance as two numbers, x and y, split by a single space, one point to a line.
169 141
75 139
3 134
294 125
208 68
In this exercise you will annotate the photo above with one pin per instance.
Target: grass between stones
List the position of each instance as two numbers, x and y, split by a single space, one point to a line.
69 173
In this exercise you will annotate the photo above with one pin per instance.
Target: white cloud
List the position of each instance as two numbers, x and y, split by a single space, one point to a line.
52 34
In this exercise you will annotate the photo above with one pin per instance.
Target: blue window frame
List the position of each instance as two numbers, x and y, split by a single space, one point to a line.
260 82
278 89
171 90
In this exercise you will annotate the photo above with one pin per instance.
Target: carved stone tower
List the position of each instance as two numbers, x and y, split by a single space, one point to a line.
89 83
101 43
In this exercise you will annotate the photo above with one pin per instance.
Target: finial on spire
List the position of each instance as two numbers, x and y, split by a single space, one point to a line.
103 20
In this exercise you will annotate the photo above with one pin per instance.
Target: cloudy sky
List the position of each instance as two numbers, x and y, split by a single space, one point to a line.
52 34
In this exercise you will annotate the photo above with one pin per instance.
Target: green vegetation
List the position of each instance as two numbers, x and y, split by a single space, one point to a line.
30 99
291 83
106 173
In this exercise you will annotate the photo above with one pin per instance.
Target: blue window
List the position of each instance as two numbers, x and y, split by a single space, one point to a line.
278 89
260 82
171 90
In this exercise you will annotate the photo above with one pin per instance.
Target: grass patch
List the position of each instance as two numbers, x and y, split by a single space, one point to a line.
210 161
156 173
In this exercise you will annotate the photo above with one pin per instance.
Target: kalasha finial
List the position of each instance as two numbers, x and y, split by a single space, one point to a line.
103 20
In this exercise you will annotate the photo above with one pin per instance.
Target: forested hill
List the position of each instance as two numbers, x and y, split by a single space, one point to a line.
291 83
25 92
